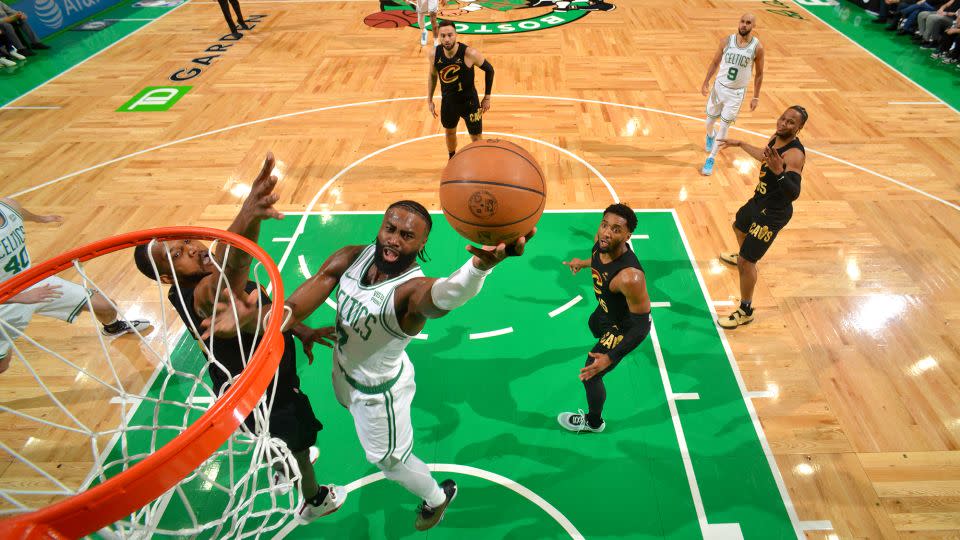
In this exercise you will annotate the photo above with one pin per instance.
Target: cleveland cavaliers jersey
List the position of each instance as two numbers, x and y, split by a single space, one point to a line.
613 305
736 63
370 344
13 246
456 79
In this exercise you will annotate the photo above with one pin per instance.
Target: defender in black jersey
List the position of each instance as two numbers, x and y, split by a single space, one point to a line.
769 210
622 318
453 64
192 294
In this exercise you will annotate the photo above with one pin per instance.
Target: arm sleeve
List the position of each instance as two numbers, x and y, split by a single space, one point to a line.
790 183
488 77
452 292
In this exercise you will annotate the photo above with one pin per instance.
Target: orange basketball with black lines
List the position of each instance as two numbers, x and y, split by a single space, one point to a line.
492 191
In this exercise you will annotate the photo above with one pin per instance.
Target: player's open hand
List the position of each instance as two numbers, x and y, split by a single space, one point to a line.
432 108
39 294
262 198
729 143
308 336
774 160
703 89
485 104
487 257
600 362
52 218
232 314
576 265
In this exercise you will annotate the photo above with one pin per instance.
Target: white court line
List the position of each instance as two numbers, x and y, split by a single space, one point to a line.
25 108
492 333
659 304
915 103
565 307
281 239
518 96
125 20
771 461
866 50
94 55
761 394
200 400
640 237
685 396
682 440
823 525
495 478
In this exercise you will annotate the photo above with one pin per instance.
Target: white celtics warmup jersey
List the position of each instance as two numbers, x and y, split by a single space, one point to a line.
370 344
13 246
736 63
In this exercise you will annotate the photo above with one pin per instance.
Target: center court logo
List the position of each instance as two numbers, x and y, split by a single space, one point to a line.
397 13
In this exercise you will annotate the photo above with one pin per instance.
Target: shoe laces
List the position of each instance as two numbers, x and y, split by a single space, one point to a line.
581 420
424 510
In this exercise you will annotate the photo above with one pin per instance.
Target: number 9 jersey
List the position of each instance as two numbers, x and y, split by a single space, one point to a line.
733 76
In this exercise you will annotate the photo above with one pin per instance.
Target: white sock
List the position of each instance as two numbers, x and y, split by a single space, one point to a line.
721 134
415 476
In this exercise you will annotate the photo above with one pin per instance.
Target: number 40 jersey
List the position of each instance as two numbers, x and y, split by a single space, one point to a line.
13 246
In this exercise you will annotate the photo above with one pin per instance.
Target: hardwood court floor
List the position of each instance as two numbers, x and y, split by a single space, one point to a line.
855 350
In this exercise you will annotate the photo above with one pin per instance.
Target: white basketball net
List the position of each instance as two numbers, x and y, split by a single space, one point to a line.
235 493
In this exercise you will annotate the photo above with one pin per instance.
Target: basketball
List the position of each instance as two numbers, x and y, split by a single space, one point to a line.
390 19
492 191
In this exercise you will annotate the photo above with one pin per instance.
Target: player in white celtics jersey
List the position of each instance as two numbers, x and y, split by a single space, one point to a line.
383 300
735 58
54 297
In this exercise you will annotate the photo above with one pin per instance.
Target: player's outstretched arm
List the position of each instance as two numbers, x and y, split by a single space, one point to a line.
257 207
575 265
28 215
429 298
315 291
756 152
